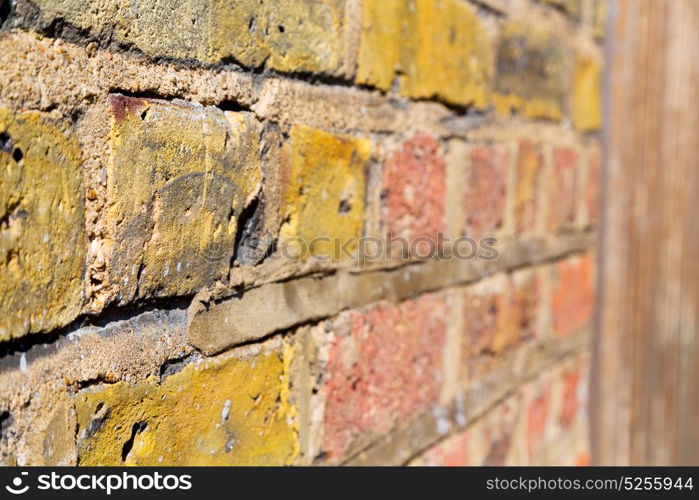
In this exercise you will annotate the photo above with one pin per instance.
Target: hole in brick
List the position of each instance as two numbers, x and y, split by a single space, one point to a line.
98 418
5 8
345 206
143 114
136 429
17 155
280 28
252 24
230 444
5 421
5 142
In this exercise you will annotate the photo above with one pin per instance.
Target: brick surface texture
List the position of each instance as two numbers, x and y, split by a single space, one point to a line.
195 208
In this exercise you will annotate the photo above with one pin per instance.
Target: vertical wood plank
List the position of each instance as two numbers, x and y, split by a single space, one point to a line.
647 348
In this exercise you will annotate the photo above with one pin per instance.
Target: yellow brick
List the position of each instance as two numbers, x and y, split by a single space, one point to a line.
381 41
448 54
324 188
222 411
287 36
42 241
587 94
179 177
599 21
533 72
177 29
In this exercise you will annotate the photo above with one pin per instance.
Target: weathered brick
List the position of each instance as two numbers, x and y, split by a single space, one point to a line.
563 188
571 7
488 442
221 411
587 94
592 191
286 36
179 177
538 417
384 25
384 367
324 181
555 425
570 396
42 241
449 45
52 440
499 315
533 72
486 190
432 42
526 205
414 189
599 17
573 295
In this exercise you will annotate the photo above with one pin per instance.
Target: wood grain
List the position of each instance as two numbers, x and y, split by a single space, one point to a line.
645 406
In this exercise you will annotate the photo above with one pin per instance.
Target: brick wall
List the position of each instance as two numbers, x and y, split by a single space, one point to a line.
165 167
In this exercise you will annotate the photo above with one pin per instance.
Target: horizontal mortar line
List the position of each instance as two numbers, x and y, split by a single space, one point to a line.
42 343
312 79
518 368
246 318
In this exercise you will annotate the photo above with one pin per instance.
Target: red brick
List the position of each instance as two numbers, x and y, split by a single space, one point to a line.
487 442
538 416
573 295
563 188
385 368
497 320
529 162
486 189
414 189
592 197
570 403
453 452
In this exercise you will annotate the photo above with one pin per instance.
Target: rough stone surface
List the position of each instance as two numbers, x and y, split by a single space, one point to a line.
38 423
42 242
383 366
177 166
235 320
324 181
176 133
222 411
533 72
384 24
486 190
431 43
286 36
414 189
